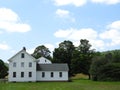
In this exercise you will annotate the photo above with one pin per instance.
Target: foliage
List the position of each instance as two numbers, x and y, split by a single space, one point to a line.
3 69
41 51
106 67
110 72
82 58
64 54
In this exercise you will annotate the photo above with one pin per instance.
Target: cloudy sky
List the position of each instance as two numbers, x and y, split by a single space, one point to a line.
31 23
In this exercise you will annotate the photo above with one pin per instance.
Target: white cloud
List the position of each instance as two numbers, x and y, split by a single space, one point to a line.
76 3
50 46
62 13
85 33
106 1
63 33
10 22
109 38
4 46
75 34
112 34
114 25
65 15
30 50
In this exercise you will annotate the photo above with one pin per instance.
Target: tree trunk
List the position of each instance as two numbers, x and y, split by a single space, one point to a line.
89 77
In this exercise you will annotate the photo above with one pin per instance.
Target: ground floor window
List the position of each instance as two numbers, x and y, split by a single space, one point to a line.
22 74
14 74
60 74
30 74
52 74
43 74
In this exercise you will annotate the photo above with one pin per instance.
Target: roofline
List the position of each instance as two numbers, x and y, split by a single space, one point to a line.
18 53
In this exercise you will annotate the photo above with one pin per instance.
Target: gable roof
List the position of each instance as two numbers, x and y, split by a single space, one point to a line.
52 67
23 50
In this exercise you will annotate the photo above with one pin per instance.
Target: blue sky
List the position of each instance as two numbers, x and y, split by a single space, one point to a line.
31 23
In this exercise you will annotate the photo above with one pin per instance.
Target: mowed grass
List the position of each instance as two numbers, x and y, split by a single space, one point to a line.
74 85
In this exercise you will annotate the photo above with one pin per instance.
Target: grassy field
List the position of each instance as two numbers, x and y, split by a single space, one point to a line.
75 85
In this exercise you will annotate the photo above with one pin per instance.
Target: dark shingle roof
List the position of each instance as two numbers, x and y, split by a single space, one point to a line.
52 67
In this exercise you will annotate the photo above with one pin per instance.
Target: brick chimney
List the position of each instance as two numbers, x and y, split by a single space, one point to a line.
24 48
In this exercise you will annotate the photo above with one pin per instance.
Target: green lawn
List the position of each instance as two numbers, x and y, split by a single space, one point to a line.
75 85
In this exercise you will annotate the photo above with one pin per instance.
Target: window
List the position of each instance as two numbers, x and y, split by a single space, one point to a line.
22 55
14 64
22 64
30 64
22 74
14 74
30 74
60 74
43 74
52 74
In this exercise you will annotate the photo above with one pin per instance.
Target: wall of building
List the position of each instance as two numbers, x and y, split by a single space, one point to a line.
43 60
55 77
18 69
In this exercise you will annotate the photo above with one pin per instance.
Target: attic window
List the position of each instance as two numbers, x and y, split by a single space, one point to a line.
22 55
45 61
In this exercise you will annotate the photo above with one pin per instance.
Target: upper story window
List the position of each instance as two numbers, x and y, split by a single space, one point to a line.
14 64
22 55
22 64
30 64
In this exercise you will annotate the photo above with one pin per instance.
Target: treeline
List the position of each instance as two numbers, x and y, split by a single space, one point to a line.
78 58
3 69
106 66
99 66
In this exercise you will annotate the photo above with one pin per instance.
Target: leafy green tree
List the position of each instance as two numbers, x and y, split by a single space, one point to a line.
97 63
64 53
3 69
82 58
106 67
41 51
116 56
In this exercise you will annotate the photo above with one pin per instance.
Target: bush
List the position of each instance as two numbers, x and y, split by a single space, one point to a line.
109 72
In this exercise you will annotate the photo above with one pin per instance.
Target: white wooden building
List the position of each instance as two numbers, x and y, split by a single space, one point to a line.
25 68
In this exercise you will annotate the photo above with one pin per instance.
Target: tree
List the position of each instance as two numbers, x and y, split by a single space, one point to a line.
3 69
82 58
106 67
97 63
64 53
41 51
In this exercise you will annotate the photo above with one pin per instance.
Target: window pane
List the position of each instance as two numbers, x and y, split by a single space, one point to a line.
60 74
22 64
30 74
30 64
14 64
22 55
22 74
43 74
52 74
14 74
